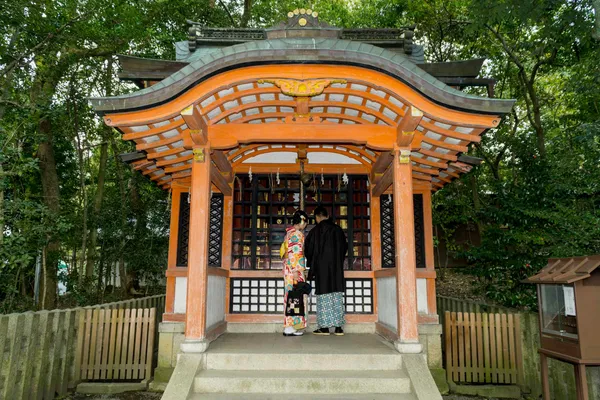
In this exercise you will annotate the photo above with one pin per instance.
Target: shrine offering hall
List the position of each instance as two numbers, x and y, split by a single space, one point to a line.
249 125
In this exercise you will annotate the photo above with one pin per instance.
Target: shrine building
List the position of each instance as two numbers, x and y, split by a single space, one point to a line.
247 126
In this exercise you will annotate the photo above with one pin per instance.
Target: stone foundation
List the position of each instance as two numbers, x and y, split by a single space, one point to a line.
171 335
430 336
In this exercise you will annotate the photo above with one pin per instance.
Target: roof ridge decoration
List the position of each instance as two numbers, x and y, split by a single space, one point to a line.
303 23
302 18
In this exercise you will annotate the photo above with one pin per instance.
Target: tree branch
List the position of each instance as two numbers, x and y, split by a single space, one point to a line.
17 60
228 13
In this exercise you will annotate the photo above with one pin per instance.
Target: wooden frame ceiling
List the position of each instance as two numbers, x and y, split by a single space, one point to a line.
364 115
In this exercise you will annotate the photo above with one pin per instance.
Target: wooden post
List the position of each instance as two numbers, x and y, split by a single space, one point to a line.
197 282
172 259
581 386
545 382
406 284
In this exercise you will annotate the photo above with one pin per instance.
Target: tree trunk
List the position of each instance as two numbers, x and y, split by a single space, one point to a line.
596 32
106 131
247 13
50 190
1 204
85 270
5 95
121 178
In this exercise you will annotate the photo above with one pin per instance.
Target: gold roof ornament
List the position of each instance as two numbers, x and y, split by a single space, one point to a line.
303 21
302 88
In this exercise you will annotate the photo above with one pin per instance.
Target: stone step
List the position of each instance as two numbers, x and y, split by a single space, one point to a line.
281 396
312 382
303 361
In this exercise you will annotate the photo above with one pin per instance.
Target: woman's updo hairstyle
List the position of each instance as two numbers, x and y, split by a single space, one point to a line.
299 216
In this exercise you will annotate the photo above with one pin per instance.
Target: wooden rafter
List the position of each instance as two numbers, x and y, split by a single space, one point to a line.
381 164
384 183
407 126
427 171
160 154
158 143
424 161
170 170
435 154
131 135
445 145
198 128
221 161
360 108
471 137
163 163
220 181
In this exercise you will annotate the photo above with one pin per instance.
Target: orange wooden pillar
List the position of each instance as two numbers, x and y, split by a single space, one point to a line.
408 335
172 260
197 282
429 257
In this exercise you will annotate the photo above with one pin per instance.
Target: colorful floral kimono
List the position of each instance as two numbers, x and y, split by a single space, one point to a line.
294 261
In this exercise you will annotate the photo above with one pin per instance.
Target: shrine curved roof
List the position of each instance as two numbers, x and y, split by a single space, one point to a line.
304 50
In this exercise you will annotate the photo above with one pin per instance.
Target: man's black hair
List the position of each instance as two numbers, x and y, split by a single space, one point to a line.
321 211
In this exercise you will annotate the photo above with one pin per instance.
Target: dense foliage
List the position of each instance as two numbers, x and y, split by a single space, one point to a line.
66 199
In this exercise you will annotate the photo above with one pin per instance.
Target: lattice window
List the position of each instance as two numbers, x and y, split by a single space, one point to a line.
265 296
215 233
419 230
388 252
388 245
263 209
183 230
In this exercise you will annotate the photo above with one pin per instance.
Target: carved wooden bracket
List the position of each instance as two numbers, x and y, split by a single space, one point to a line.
302 88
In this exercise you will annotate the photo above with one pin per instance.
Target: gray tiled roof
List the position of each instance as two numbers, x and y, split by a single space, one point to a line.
314 50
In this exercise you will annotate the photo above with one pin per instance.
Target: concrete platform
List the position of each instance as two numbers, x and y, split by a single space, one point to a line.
313 382
252 343
270 365
309 352
280 396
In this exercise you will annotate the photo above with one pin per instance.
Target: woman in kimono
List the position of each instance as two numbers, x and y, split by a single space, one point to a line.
294 265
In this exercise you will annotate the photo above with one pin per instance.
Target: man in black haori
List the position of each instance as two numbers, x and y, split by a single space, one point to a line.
325 250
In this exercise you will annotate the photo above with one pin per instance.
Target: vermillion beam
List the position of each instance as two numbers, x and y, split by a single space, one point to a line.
222 162
384 183
408 125
381 164
220 181
377 137
197 125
